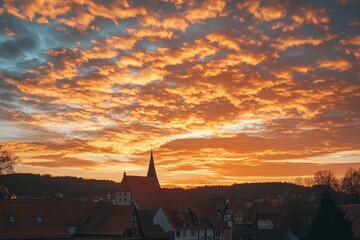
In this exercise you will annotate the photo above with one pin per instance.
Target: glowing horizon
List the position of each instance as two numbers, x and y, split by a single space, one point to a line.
223 91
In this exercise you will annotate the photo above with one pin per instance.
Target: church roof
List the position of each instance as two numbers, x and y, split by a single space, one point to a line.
149 195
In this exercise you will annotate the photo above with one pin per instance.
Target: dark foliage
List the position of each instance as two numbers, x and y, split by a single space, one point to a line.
330 222
45 185
245 190
71 187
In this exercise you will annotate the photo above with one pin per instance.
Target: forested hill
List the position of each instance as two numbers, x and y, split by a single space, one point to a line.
72 187
26 184
244 190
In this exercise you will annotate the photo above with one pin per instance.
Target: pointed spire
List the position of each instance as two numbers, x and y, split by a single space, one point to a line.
151 170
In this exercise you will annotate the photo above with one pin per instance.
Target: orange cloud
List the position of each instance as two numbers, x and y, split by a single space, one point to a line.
223 41
169 23
150 33
233 91
272 11
208 9
9 33
283 44
312 15
337 65
43 10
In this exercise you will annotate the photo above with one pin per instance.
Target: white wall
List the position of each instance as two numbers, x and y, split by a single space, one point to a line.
161 219
123 198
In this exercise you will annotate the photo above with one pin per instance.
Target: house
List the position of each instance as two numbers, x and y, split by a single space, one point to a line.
49 219
353 212
267 219
191 224
239 219
108 222
5 193
149 230
37 219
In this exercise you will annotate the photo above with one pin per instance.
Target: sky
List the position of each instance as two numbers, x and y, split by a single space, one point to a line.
223 91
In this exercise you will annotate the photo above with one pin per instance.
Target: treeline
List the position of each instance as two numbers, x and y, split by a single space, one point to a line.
248 191
349 184
26 184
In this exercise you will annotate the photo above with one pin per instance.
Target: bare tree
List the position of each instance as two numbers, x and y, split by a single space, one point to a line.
308 182
7 160
351 183
326 177
299 181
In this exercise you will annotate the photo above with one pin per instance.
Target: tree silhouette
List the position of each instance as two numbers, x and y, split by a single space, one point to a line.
351 183
330 222
326 177
7 160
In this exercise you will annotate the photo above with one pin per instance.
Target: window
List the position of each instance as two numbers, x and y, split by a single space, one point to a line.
177 233
125 199
193 233
88 219
184 233
39 219
11 219
265 224
71 230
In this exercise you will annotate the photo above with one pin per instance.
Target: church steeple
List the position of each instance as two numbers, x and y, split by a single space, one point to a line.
151 170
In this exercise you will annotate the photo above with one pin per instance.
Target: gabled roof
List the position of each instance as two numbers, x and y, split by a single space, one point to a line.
4 190
105 220
195 217
55 215
145 190
148 229
266 207
212 215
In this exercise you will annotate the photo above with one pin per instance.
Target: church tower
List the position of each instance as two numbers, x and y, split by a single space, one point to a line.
151 170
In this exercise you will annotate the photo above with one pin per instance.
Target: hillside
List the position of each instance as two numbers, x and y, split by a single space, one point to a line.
26 184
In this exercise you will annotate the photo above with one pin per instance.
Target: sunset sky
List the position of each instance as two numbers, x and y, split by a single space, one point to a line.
223 91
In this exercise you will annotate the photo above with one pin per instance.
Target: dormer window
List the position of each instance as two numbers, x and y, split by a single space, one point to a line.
39 219
88 219
11 219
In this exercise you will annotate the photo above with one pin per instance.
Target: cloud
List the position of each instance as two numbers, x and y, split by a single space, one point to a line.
337 65
283 44
233 91
269 12
13 48
207 9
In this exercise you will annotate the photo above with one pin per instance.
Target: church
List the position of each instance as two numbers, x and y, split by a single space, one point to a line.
141 192
145 193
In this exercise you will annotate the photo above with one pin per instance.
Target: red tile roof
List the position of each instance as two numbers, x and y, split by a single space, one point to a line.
149 195
106 220
266 207
55 215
